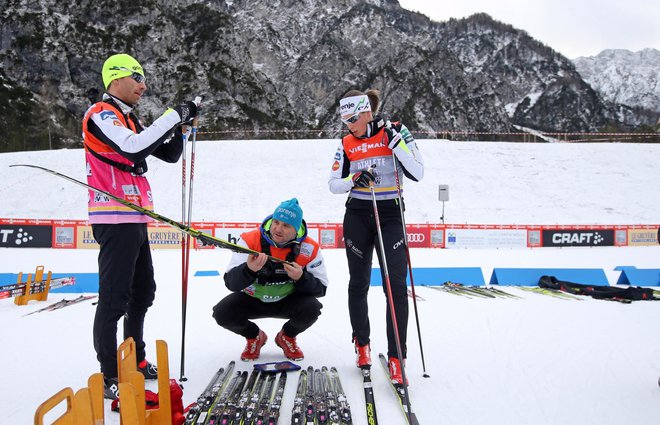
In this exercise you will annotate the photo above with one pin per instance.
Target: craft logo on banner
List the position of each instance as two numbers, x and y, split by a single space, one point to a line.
560 237
26 236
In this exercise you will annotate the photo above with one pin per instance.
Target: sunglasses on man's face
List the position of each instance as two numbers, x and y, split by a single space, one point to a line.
139 78
352 119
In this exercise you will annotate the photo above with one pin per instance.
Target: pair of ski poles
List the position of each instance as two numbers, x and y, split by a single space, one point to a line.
186 214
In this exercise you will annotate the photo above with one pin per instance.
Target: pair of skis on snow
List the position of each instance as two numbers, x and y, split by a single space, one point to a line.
320 399
233 398
370 402
472 291
17 289
63 303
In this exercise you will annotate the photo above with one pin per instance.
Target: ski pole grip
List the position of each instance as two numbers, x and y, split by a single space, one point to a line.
371 171
198 102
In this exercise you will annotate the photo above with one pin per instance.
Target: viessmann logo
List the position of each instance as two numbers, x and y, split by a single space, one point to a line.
364 147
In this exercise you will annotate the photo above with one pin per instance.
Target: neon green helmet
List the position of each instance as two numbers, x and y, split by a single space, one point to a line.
120 66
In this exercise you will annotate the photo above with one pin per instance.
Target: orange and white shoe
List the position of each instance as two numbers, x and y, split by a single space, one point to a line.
253 347
363 352
396 376
289 346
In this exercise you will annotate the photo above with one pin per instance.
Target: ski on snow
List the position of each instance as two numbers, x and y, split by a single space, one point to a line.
369 400
199 412
16 289
411 418
63 303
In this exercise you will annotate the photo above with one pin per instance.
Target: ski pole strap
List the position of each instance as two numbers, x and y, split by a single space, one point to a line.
137 169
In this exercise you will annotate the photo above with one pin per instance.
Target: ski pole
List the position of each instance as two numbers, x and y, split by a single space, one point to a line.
184 241
391 301
410 271
187 241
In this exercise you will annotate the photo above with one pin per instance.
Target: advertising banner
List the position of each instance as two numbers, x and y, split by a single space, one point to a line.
418 237
574 237
437 238
486 238
64 236
26 236
164 237
85 238
230 234
642 237
328 238
42 233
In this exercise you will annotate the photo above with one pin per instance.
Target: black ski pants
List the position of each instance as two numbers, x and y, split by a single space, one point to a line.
126 288
361 237
236 311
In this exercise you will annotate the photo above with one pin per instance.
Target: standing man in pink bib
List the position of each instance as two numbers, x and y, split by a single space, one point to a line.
117 145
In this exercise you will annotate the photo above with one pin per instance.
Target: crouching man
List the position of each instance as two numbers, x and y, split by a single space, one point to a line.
264 288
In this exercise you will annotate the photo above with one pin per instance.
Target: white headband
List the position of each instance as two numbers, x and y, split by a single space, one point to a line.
354 105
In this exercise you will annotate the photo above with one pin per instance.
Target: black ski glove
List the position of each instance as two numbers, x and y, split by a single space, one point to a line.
187 111
363 179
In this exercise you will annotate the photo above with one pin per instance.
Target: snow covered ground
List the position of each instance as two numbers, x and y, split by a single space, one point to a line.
536 360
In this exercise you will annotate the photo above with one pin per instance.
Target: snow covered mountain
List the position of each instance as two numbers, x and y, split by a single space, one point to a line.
625 77
268 68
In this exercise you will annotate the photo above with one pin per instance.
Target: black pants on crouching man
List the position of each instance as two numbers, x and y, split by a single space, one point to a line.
236 311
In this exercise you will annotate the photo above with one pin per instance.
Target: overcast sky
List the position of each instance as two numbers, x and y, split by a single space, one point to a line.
572 27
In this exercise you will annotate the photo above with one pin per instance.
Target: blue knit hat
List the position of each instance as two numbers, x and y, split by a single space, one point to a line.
289 212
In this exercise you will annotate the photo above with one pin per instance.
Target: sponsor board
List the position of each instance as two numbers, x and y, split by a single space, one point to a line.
78 234
328 238
418 237
26 236
230 234
64 236
314 233
437 238
164 238
642 237
160 237
575 237
85 238
486 238
534 238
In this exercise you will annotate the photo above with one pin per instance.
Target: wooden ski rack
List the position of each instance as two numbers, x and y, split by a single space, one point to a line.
38 277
